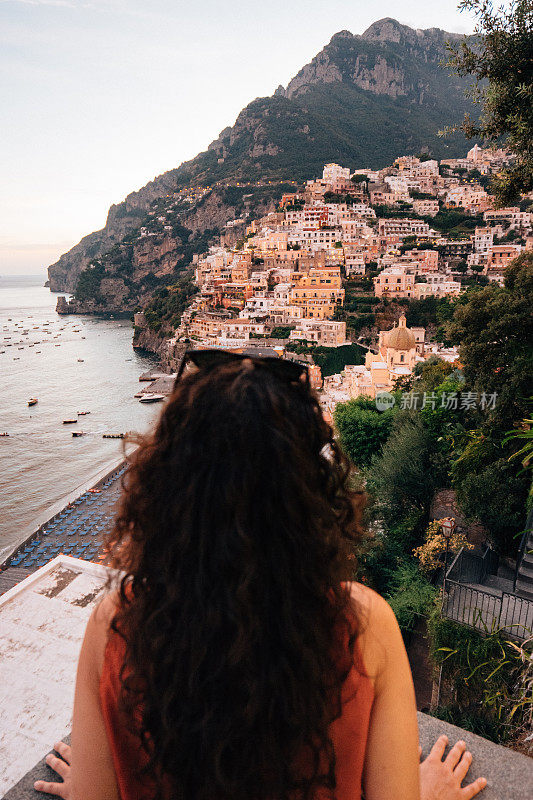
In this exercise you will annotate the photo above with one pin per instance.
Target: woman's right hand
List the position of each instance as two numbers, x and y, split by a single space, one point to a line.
62 767
441 780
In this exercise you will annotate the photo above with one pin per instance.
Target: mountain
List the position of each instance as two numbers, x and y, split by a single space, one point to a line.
362 101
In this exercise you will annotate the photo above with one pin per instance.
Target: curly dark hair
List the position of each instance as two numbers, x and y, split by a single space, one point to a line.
236 530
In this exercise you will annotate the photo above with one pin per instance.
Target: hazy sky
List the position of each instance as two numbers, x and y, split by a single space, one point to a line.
99 96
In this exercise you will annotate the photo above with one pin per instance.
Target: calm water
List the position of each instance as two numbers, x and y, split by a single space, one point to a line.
40 461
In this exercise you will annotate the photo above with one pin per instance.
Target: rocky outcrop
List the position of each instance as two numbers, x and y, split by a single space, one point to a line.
168 350
156 255
384 60
121 220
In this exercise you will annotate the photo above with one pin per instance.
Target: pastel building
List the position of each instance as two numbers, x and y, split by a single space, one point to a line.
397 281
396 357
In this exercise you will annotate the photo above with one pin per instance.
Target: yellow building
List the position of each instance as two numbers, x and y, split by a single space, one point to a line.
317 292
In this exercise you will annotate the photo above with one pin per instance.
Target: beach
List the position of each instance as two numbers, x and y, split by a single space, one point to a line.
69 364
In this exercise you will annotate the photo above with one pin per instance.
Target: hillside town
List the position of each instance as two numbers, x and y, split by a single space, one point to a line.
280 281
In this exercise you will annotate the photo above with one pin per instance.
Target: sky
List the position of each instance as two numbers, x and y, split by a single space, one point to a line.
100 96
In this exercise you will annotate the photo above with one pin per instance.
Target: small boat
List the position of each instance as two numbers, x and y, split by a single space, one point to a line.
151 398
78 433
69 421
33 401
4 434
80 360
83 413
113 435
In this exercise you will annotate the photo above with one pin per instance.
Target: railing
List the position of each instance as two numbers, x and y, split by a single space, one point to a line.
522 547
469 567
485 611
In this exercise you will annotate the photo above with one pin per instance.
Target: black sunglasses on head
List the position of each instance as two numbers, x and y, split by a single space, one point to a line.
288 371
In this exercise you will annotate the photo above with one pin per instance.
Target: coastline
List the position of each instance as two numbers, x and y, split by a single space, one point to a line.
32 528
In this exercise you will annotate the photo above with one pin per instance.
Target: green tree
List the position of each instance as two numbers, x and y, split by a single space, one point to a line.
501 62
401 479
494 331
363 430
496 495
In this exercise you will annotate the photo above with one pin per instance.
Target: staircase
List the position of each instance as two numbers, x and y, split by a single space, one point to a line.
524 578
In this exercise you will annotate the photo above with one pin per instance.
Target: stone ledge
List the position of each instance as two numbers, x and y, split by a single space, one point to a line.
509 774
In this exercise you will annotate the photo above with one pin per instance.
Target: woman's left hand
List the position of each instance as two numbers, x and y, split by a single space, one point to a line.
62 767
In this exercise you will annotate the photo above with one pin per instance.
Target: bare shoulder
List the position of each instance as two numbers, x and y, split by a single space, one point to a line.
105 610
372 607
379 637
97 631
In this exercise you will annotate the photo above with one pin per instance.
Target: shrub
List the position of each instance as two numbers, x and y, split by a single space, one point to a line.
411 595
363 430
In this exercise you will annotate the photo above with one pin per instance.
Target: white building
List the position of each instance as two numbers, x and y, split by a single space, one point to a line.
323 332
513 216
482 240
437 285
430 167
334 172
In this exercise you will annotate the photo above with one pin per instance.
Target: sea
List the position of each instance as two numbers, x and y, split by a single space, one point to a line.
70 364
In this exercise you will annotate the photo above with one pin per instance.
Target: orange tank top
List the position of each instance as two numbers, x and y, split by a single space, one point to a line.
348 733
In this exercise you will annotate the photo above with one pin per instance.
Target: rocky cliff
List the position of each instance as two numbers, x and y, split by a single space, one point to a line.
387 59
122 218
157 253
362 101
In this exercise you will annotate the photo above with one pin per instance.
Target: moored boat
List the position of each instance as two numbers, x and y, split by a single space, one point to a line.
69 421
151 397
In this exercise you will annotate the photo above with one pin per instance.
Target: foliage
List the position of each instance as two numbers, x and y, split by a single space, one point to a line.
281 332
88 286
163 312
431 373
401 479
523 434
496 495
430 553
363 430
494 328
502 66
410 595
331 360
429 311
487 680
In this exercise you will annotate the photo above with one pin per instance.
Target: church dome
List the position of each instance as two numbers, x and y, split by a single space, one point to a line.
401 337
